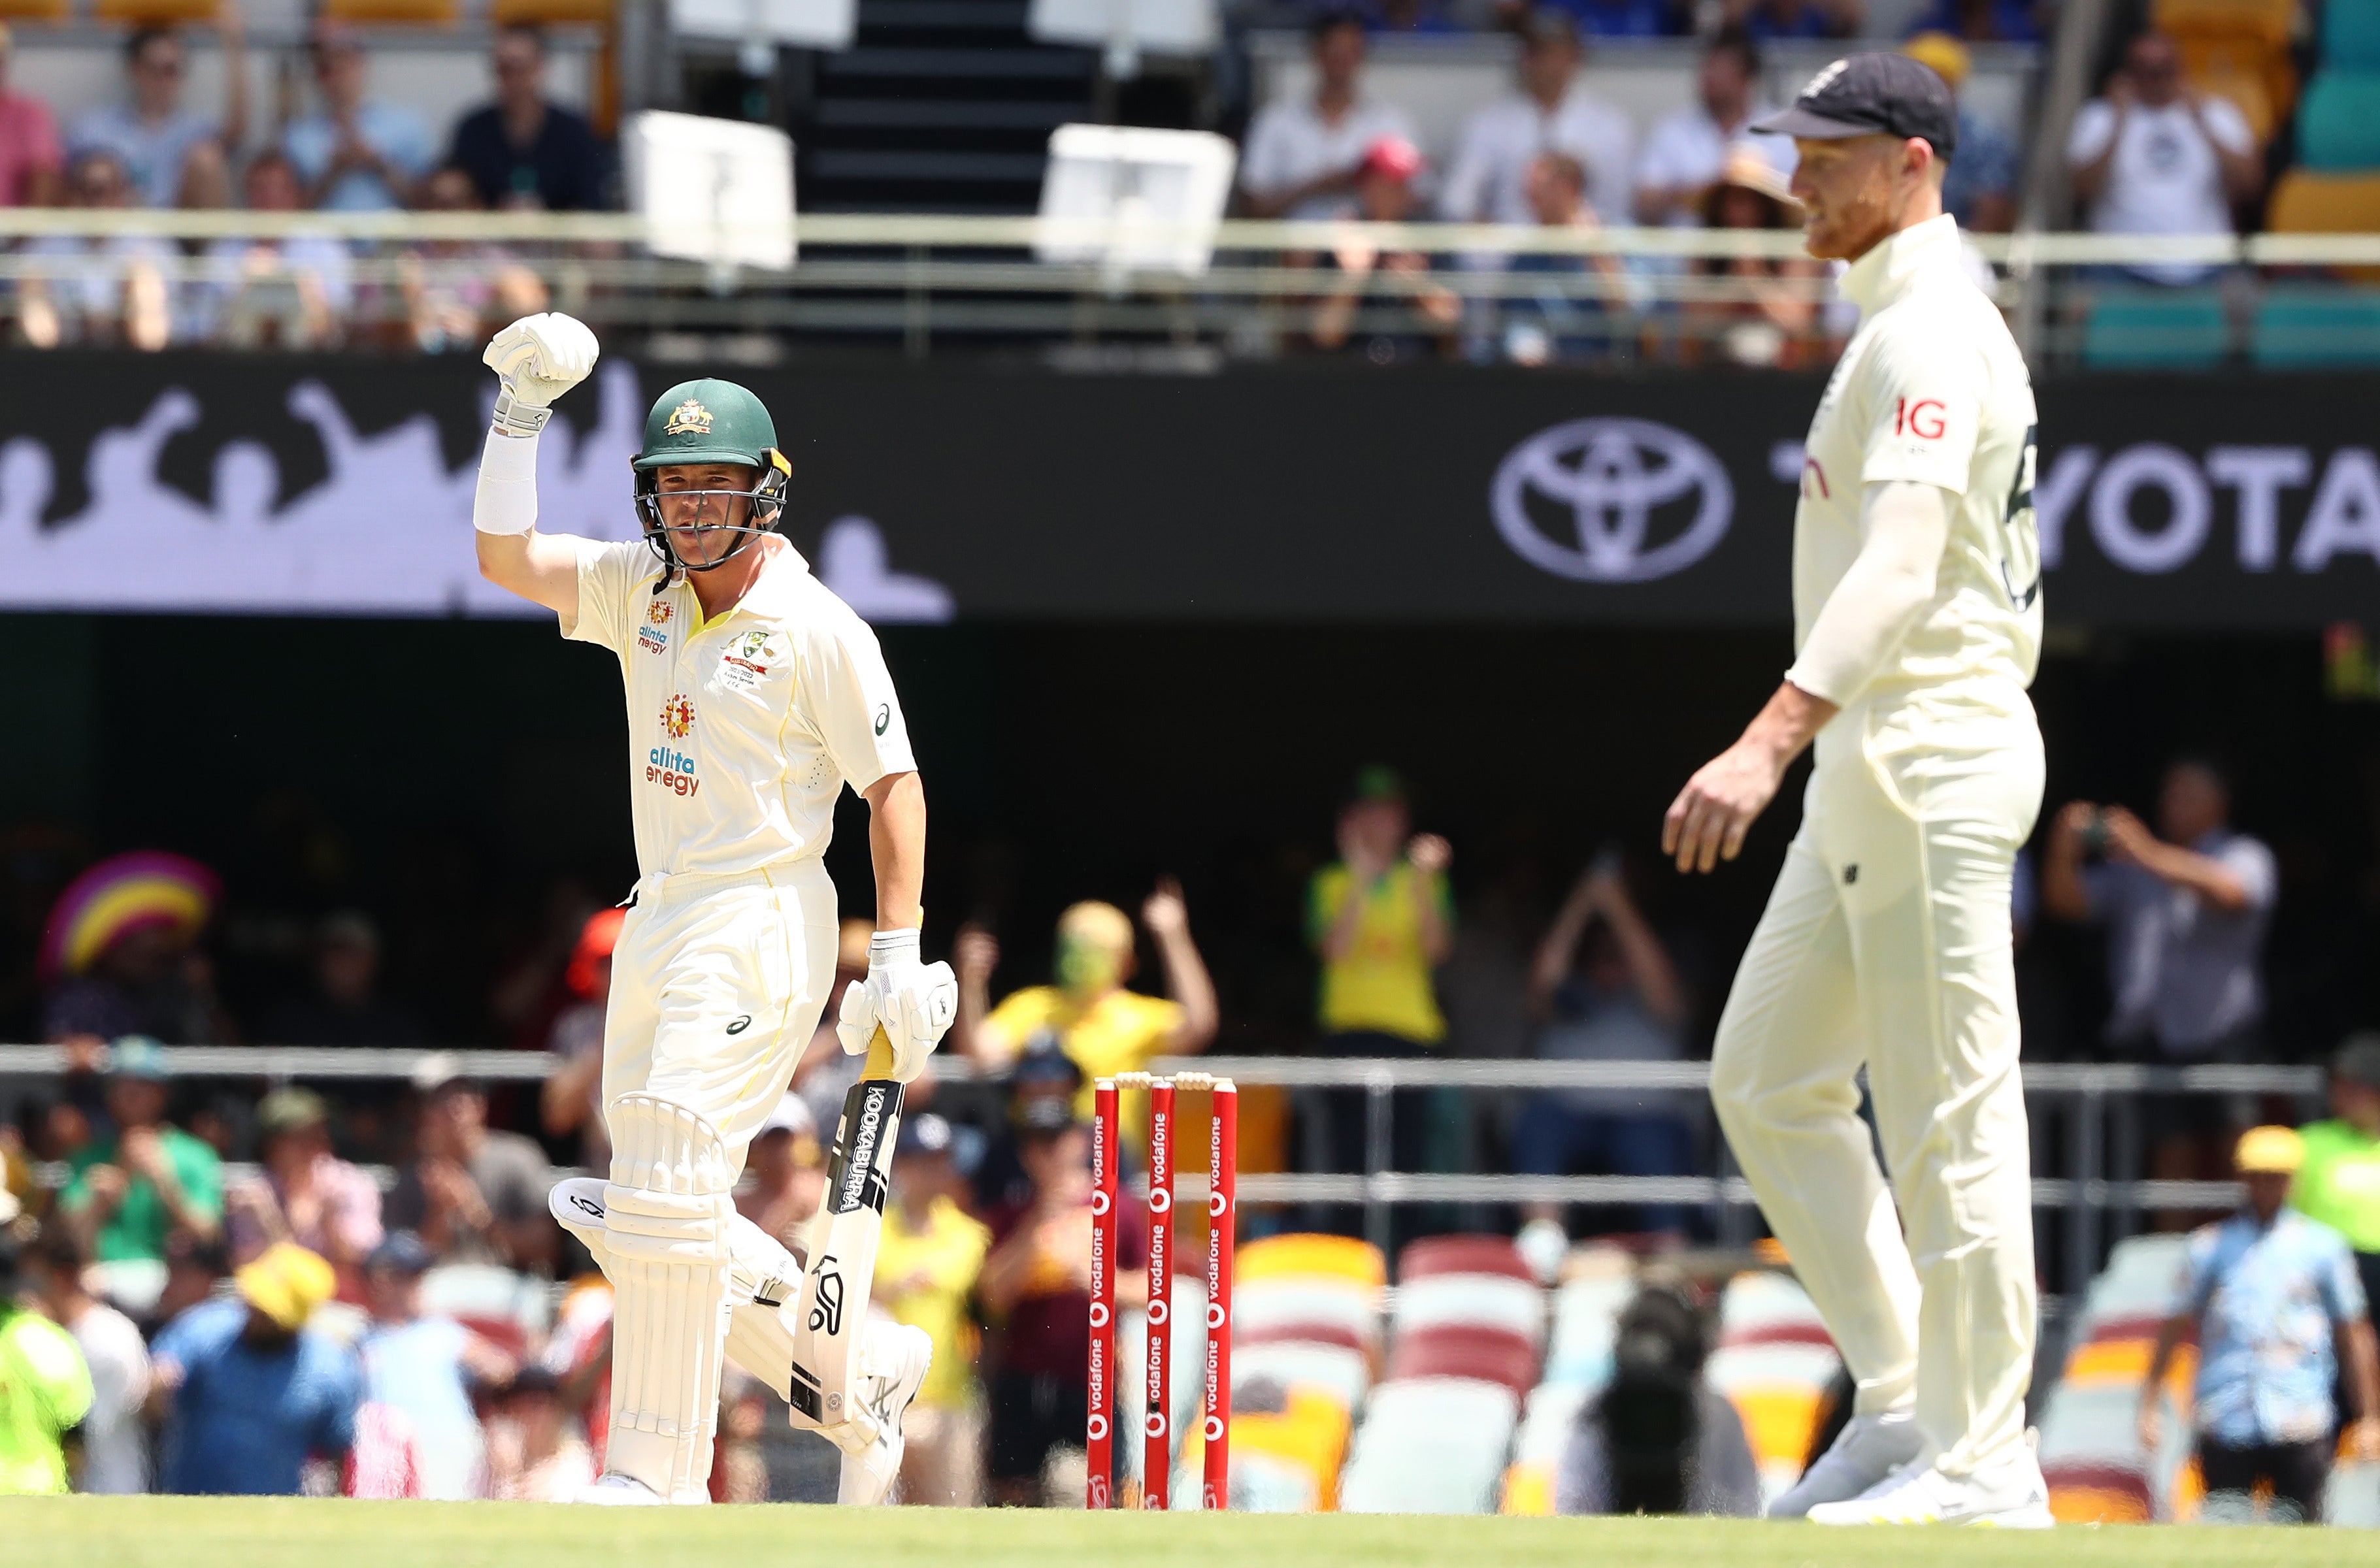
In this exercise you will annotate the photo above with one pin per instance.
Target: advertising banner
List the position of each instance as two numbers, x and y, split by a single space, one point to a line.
1313 492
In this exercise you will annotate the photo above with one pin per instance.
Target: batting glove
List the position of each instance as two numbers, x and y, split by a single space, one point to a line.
539 358
913 1002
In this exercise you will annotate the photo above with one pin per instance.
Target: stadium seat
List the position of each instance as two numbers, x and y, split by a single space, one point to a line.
156 13
1345 1375
1351 1263
1496 1301
486 1296
1305 1332
2316 327
397 13
1547 1421
1463 1255
1764 1308
549 13
2307 202
2098 1494
1487 1355
2226 41
1779 1390
2179 328
2351 35
1286 1458
2338 121
1585 1318
1430 1445
2250 93
36 10
1307 1309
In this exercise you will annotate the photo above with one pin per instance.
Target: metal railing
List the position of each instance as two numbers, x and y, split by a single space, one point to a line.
2097 1101
1635 295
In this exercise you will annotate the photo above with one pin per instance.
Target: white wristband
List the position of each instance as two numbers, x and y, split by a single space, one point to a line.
886 946
505 502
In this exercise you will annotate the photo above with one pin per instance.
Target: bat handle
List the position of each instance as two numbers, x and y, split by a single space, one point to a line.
879 1056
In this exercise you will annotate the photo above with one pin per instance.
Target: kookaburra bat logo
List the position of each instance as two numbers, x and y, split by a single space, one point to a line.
826 1315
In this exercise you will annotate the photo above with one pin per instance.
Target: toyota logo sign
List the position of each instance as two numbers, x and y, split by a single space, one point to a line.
1584 501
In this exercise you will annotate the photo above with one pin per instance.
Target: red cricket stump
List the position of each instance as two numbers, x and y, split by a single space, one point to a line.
1158 1462
1101 1432
1222 1221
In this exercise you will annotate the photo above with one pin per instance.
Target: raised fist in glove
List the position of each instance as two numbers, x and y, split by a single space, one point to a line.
539 358
913 1003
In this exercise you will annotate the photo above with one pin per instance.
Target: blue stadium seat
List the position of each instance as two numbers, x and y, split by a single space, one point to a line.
2311 326
2339 122
2351 35
2177 329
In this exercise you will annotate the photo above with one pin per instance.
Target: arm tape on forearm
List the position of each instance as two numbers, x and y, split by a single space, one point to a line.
505 502
1880 598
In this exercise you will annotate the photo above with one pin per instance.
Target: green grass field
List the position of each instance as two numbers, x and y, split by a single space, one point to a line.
277 1532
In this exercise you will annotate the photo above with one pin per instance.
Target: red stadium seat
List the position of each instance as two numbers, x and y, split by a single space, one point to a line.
1484 1353
1304 1334
2087 1493
1463 1255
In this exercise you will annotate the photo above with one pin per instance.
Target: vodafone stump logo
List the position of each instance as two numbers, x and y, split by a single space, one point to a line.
1611 501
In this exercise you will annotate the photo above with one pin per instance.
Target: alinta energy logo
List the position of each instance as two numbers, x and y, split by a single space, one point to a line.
666 765
1611 501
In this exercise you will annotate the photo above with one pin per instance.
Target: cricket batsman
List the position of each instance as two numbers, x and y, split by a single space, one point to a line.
1886 942
754 697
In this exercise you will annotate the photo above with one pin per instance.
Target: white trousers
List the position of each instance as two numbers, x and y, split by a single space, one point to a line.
1886 944
717 983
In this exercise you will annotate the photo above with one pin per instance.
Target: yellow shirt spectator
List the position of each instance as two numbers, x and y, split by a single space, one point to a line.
1381 981
926 1269
1119 1032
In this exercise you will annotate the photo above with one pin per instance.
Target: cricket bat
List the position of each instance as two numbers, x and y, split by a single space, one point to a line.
833 1313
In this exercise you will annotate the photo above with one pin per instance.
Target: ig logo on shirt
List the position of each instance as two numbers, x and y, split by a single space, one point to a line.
1611 501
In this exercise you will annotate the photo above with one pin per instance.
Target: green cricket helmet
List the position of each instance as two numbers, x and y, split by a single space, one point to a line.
710 421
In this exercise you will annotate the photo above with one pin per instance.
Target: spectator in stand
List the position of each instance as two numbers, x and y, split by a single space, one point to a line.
2270 1297
1042 1071
1658 1439
301 1191
572 1100
1606 992
148 1182
1303 156
114 1441
1601 18
2186 910
1686 152
347 1007
455 290
195 1271
1552 113
151 135
121 946
1774 320
522 151
31 156
474 1195
1985 21
1562 320
1385 194
1768 20
1105 1028
2340 1182
355 153
787 1169
1979 185
246 1391
1037 1288
425 1365
927 1262
535 1452
1381 919
45 1388
2156 156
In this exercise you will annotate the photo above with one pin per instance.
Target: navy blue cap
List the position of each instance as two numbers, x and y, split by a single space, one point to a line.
402 1252
924 1133
1880 93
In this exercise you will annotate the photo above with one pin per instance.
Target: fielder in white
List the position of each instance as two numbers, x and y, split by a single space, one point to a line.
1886 942
754 697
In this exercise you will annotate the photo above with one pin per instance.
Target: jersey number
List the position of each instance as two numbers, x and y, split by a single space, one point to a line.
2020 536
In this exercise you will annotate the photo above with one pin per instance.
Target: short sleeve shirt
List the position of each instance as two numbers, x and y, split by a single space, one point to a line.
742 730
140 1226
2184 974
29 146
45 1392
246 1417
2339 1183
154 153
1290 144
2267 1298
1931 389
1382 984
1122 1032
2165 178
396 133
924 1278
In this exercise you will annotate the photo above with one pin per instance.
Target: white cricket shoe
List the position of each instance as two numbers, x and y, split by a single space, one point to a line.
2011 1496
612 1489
1868 1449
893 1363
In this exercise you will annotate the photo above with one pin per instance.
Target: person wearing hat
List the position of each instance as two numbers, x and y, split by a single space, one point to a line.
426 1365
755 696
119 954
1887 944
926 1269
148 1182
1774 320
247 1391
301 1191
1980 188
1550 113
30 155
2340 1182
46 1388
2271 1299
